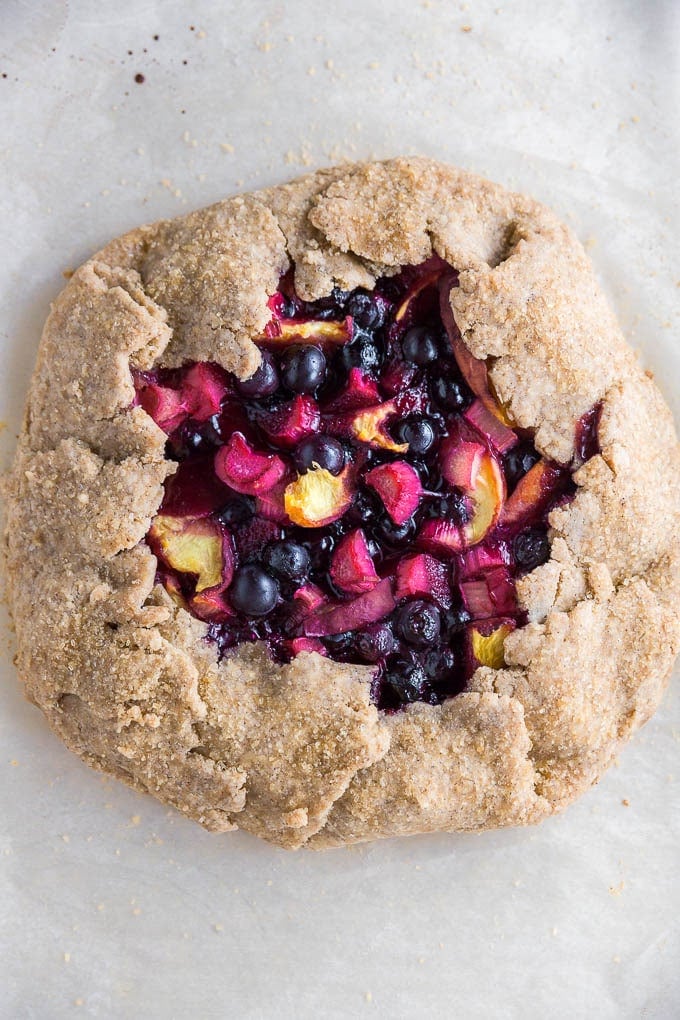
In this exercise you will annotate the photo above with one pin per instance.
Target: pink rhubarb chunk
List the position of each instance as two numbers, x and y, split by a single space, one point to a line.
398 485
423 576
352 569
245 470
339 617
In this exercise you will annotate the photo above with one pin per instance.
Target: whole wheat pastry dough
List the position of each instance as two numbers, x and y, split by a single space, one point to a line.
299 753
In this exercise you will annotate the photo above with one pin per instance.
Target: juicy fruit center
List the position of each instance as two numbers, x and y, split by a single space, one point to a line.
363 495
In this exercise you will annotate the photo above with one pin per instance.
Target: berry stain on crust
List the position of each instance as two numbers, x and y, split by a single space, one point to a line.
363 495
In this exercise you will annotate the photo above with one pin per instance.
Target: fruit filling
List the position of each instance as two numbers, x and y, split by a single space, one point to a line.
364 495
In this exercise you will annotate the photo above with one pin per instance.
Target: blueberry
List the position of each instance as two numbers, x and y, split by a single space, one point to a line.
319 551
288 560
237 511
253 592
303 368
418 622
418 432
366 311
375 643
324 451
449 507
263 382
439 663
419 346
362 353
531 548
518 461
339 644
449 393
407 680
391 534
455 620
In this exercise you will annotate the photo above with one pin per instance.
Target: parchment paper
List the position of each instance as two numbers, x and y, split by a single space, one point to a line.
112 906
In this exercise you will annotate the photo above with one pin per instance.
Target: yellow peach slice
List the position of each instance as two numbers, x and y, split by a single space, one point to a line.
190 546
488 649
317 497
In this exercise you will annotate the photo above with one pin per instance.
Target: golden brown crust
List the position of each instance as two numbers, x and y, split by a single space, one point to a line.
298 754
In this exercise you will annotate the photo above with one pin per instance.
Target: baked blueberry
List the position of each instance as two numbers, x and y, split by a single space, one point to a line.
288 560
418 623
303 369
420 345
322 451
253 592
263 382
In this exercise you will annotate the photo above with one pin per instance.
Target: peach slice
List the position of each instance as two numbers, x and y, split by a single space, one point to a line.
485 642
540 486
490 595
282 332
196 546
470 467
474 371
318 497
370 426
211 605
428 275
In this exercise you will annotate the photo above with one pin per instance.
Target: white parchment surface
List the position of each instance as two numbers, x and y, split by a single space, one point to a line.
110 905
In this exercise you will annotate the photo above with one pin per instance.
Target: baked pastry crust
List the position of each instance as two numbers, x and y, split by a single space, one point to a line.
298 754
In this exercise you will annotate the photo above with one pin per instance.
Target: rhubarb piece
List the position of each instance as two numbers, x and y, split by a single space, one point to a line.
423 576
361 391
399 488
337 618
204 387
197 546
352 569
244 469
485 643
305 644
539 487
166 406
291 422
318 497
281 332
490 595
490 427
271 505
481 558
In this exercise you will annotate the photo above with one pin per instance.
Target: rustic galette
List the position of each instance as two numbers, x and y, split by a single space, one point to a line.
343 510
